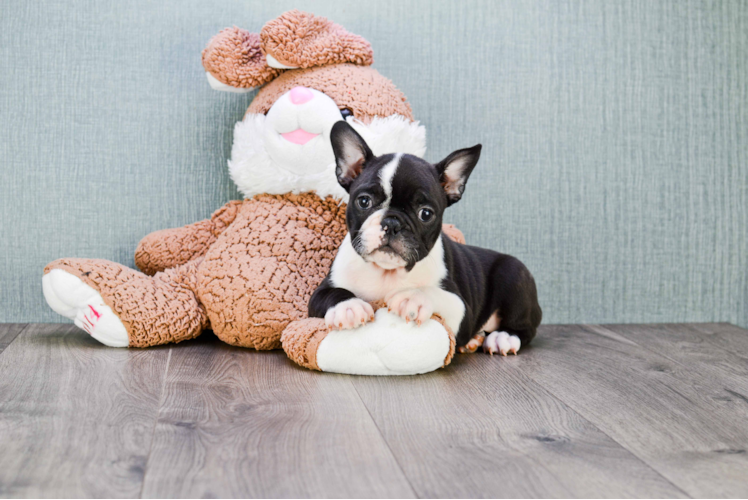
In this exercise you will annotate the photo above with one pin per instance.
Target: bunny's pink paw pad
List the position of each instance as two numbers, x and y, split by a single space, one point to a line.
501 343
68 296
302 40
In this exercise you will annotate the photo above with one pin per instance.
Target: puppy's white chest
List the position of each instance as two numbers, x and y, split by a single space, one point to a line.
370 282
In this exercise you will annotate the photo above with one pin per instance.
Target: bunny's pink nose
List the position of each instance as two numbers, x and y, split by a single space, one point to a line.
300 95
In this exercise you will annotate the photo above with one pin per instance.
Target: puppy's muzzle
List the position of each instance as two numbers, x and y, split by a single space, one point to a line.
391 225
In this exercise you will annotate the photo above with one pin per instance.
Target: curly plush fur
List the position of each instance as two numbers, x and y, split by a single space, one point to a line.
248 285
234 57
302 40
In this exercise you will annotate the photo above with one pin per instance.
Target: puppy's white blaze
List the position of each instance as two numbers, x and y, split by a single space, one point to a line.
371 233
385 178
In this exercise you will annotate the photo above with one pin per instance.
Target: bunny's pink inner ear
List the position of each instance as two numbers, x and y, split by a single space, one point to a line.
233 57
301 40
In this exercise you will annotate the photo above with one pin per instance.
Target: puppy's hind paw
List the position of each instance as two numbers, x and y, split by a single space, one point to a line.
502 343
473 344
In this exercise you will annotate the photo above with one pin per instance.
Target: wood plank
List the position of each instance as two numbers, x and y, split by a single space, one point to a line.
76 417
8 333
483 429
719 353
726 336
714 352
241 423
666 412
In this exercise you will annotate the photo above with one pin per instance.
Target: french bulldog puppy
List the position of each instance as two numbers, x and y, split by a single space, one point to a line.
395 251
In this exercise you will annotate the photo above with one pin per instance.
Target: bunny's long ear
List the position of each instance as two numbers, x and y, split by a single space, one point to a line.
302 40
234 61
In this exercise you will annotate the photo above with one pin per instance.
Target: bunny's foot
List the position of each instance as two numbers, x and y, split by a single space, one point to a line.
68 296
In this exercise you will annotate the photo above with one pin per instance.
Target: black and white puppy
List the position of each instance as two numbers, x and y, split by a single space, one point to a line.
395 251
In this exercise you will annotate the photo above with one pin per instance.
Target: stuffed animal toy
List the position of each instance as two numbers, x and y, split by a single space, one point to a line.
249 270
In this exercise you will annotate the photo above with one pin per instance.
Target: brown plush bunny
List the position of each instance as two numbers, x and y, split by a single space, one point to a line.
248 271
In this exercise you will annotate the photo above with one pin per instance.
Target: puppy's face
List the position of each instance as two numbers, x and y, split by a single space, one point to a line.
394 215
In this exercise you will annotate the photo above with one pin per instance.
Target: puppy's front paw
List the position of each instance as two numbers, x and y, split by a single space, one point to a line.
411 305
348 314
501 342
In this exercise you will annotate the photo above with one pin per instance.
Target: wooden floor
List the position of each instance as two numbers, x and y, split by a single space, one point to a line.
587 411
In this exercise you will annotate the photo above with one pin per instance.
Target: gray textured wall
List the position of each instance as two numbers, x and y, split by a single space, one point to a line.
615 137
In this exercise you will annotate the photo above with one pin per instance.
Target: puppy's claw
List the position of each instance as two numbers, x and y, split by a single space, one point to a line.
514 344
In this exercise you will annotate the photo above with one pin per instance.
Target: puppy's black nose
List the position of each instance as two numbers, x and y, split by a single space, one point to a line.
391 225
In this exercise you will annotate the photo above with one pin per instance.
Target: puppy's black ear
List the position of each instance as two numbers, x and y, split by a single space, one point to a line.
351 153
455 169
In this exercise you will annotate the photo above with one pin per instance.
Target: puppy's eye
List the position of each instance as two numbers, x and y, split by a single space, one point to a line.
346 113
363 202
425 214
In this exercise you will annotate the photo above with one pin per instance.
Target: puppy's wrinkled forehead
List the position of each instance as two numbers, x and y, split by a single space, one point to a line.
401 179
